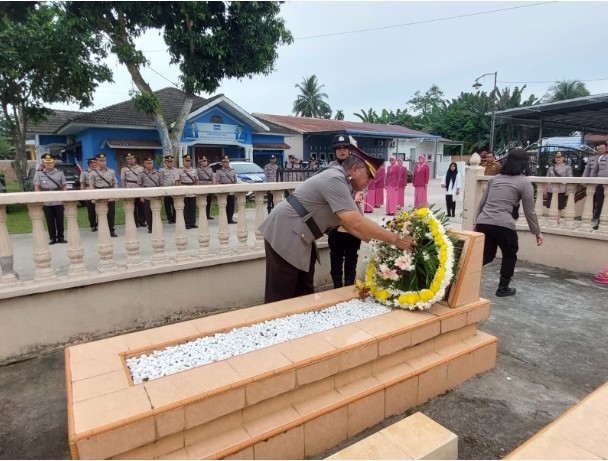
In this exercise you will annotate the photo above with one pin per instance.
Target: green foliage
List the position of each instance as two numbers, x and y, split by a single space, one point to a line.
424 103
567 89
339 115
310 102
148 103
401 117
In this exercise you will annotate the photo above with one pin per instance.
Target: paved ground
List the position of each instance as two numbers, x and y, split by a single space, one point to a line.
551 354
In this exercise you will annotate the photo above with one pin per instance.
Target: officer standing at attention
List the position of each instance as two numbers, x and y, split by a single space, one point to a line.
51 179
170 174
206 178
597 166
226 175
128 177
492 165
148 177
105 178
188 177
84 184
270 172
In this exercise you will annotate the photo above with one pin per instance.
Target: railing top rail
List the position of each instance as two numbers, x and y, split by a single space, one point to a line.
95 194
557 179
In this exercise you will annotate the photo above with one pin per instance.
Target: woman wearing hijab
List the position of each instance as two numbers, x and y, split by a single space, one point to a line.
495 220
392 187
420 180
451 184
402 183
379 185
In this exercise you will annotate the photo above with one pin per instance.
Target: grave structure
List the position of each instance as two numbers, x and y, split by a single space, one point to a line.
289 401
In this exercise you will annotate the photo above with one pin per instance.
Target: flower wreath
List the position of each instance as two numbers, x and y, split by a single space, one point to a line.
413 280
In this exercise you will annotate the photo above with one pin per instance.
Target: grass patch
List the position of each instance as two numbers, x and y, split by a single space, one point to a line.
18 220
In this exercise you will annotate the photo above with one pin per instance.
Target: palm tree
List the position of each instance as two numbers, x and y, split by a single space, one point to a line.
310 101
339 115
567 89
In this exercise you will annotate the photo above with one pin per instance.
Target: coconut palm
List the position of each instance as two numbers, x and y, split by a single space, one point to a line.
310 101
339 115
567 89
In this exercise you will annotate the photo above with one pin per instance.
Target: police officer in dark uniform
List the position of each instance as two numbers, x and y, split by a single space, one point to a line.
188 177
206 178
51 179
226 175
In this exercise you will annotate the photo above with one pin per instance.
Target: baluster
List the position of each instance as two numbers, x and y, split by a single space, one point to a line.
10 278
105 248
603 227
588 208
259 218
222 229
538 205
42 253
75 249
569 212
203 226
131 238
553 206
158 240
241 226
181 239
279 196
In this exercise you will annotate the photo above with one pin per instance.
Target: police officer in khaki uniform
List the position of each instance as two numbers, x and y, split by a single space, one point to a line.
226 175
51 179
148 177
206 178
169 174
188 177
128 177
270 172
599 169
558 170
492 165
84 184
105 178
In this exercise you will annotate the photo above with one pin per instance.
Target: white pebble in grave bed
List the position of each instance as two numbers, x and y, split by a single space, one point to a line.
222 346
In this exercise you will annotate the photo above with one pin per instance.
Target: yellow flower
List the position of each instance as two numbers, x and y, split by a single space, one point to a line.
426 295
382 295
360 284
422 212
435 286
440 273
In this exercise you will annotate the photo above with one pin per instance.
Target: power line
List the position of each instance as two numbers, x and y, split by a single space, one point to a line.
428 21
553 81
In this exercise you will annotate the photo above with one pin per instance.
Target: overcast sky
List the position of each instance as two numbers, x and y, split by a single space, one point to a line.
411 46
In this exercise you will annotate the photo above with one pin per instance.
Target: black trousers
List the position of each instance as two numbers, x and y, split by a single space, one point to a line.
190 211
450 204
111 215
208 207
505 239
147 213
169 209
54 221
139 213
284 281
343 253
230 207
270 201
91 213
598 201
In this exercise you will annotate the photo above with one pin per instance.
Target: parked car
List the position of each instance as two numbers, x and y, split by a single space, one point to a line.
70 170
246 172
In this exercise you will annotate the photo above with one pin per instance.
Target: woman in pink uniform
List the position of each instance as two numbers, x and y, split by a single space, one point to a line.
420 180
392 187
379 184
402 183
370 197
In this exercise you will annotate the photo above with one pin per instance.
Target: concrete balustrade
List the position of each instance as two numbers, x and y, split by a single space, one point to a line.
45 273
571 244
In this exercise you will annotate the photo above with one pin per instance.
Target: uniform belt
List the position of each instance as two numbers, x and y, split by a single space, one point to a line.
187 184
310 222
47 190
130 180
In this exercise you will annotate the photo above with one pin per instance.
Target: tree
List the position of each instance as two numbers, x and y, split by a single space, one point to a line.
310 102
567 89
339 115
401 117
46 57
209 41
424 103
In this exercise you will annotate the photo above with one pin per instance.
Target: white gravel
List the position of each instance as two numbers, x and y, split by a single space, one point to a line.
222 346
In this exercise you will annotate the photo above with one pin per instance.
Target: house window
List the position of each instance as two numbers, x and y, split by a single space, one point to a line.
216 119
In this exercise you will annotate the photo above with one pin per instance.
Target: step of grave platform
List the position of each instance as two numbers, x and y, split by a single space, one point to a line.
290 400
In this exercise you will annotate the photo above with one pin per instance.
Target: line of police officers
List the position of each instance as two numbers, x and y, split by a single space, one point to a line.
99 176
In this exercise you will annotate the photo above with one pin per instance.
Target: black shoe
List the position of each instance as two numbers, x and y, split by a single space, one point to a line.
94 229
193 226
171 222
113 234
52 242
505 291
188 227
142 224
62 240
209 217
149 231
232 222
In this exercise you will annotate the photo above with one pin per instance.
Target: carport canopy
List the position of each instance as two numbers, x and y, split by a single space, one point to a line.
587 114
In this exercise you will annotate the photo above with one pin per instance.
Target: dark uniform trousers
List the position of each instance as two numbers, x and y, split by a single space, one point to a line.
504 238
450 204
169 209
598 200
230 207
91 213
54 221
270 200
208 207
190 211
343 253
139 213
147 213
284 281
111 212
